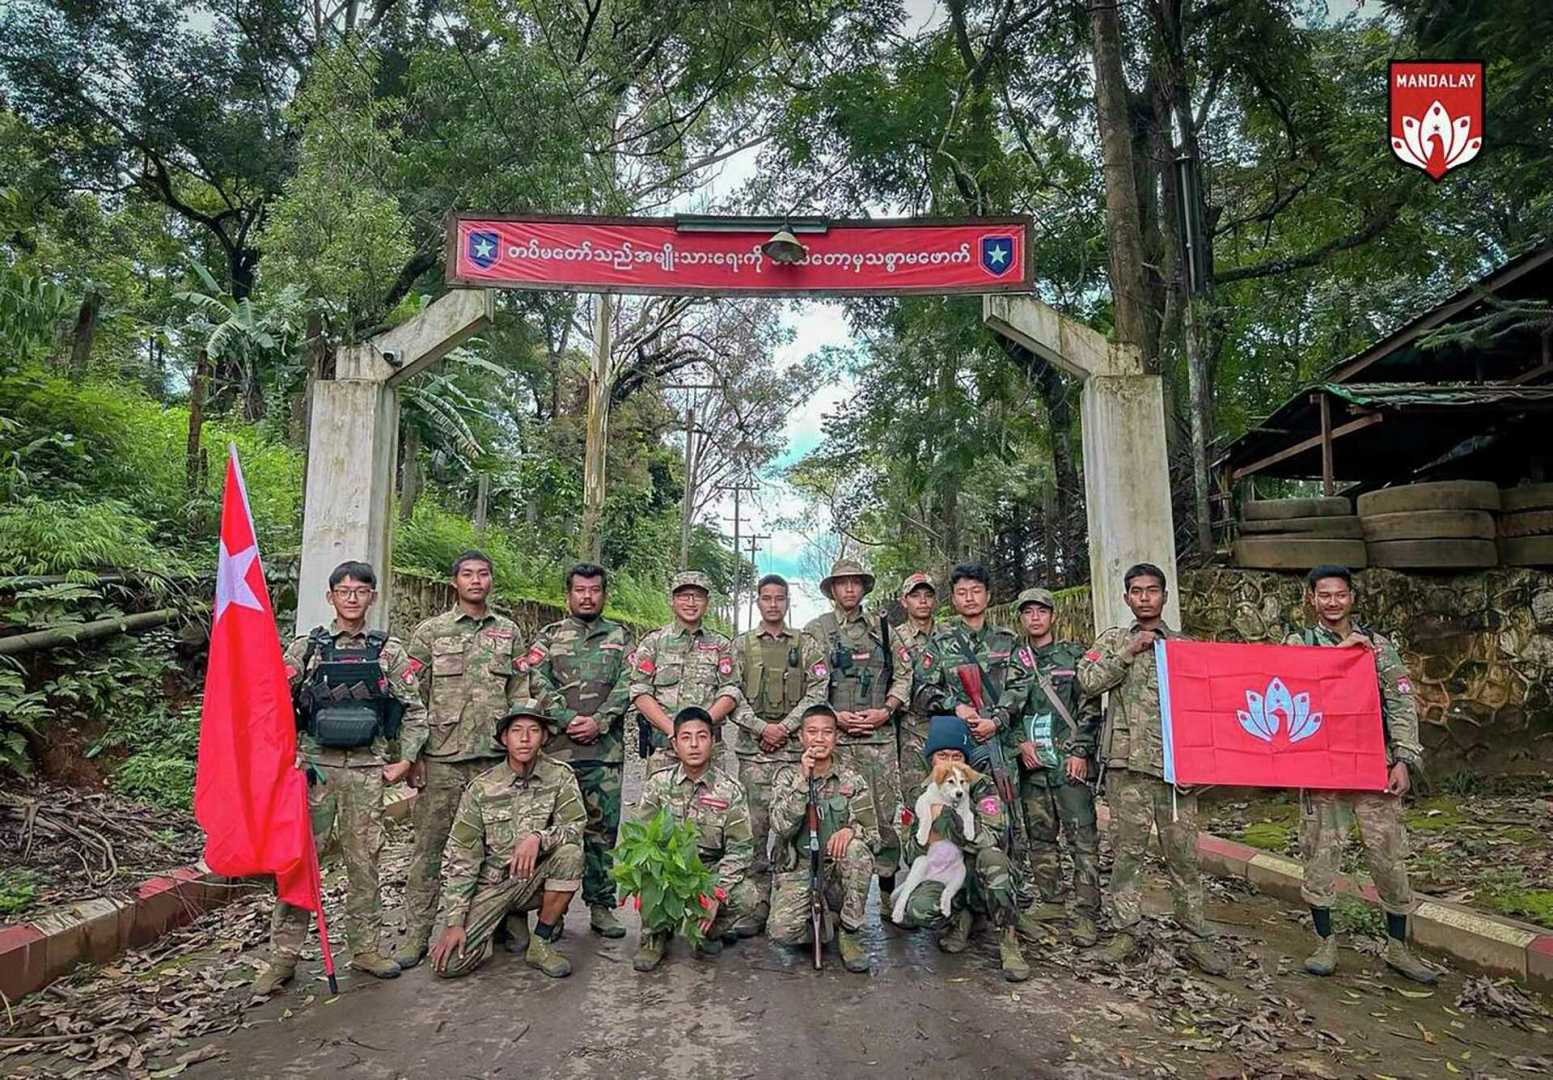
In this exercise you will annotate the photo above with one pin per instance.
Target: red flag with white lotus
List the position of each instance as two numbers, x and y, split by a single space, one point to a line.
1284 716
249 796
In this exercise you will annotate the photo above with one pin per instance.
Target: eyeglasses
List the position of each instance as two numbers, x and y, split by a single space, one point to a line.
354 594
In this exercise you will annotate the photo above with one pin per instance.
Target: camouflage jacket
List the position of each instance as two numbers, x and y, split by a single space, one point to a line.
990 821
467 677
402 674
717 806
845 803
1398 708
854 649
908 643
499 808
804 680
938 685
578 668
1132 737
678 667
1025 712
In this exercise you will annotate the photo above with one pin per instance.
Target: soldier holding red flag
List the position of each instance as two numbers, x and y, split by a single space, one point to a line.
1325 815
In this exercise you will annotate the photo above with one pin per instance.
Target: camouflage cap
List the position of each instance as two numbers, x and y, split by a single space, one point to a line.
1036 596
917 581
844 568
690 579
522 707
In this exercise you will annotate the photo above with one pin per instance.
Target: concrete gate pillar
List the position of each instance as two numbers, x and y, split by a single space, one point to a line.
1126 471
353 449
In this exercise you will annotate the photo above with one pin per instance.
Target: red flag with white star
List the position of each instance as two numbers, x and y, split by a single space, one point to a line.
249 795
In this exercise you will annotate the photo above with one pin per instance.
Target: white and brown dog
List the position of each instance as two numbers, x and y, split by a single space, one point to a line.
948 789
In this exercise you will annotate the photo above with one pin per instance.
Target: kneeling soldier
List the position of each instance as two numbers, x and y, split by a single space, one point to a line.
516 845
990 890
849 836
695 790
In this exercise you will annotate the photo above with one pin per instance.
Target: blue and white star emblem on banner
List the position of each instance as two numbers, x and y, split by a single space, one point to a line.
997 254
484 249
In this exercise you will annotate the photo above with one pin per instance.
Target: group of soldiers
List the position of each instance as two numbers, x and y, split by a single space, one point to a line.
518 751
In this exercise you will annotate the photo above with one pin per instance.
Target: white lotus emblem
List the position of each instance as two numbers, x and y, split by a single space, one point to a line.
1266 712
1436 130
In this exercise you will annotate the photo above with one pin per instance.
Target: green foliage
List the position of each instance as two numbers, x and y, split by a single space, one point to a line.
22 713
30 309
65 536
657 862
1462 782
17 889
1350 915
1506 890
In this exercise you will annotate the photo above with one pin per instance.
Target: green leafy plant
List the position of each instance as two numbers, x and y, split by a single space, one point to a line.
657 862
17 890
22 713
1353 916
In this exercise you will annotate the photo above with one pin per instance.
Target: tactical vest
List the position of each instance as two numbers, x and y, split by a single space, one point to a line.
859 678
774 676
344 702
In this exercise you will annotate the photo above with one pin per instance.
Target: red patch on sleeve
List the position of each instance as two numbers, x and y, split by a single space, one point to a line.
846 789
1405 685
646 666
820 670
905 654
907 817
990 805
1026 657
1091 655
927 660
291 672
725 666
412 668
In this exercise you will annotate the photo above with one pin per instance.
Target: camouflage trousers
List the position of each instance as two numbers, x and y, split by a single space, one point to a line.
988 890
756 772
600 785
347 801
910 741
1140 803
435 805
877 763
844 885
559 870
742 899
1324 822
1069 808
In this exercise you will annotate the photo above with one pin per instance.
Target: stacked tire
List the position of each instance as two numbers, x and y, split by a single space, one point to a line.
1526 525
1442 525
1297 534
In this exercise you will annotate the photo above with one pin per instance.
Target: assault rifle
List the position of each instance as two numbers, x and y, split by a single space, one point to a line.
816 887
970 680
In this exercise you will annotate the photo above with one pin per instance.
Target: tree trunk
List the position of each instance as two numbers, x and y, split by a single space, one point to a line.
410 473
482 501
1071 540
85 330
593 461
193 459
1123 228
688 503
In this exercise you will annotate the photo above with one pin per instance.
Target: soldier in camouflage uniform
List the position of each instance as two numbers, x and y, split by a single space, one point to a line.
990 887
1121 665
849 833
1050 727
345 786
577 669
683 663
515 845
868 686
1326 815
465 661
695 790
920 599
779 672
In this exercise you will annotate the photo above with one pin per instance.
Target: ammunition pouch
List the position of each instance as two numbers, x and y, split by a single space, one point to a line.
345 704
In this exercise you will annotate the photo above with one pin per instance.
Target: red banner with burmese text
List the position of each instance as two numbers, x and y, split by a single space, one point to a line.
651 255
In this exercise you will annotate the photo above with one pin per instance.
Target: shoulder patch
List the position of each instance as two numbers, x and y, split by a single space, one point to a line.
907 817
412 667
1026 657
819 669
645 665
927 660
1092 655
725 665
846 789
1405 685
904 653
990 805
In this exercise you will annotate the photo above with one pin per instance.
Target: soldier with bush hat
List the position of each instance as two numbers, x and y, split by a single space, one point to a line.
919 596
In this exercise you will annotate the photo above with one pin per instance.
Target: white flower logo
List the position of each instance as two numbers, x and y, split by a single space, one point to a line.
1263 718
1436 127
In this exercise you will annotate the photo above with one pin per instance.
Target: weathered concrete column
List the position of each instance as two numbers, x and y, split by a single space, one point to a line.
353 449
1126 473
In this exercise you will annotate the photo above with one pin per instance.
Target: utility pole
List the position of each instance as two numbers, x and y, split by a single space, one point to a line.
754 542
692 455
737 490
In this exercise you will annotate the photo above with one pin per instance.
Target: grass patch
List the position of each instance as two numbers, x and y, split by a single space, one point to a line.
1354 916
1268 835
1436 814
1506 892
18 888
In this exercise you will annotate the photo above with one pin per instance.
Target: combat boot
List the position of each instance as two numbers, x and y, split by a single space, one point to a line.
375 964
1083 930
1118 949
752 924
278 974
542 954
601 920
1014 967
1208 960
958 937
649 952
1324 960
850 945
887 906
514 935
1401 960
1044 911
412 949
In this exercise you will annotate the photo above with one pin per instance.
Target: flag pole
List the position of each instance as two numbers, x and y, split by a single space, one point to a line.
318 896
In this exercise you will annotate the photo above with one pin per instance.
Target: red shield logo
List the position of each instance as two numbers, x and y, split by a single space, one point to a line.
1436 113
